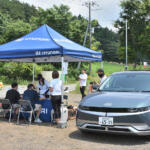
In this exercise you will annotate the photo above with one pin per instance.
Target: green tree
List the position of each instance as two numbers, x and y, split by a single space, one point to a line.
137 13
4 19
15 29
77 29
18 10
11 72
57 17
109 43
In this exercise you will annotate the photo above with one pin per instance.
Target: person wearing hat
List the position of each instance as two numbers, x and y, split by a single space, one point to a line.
95 85
102 75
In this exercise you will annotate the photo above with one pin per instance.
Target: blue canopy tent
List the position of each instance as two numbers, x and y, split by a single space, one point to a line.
46 45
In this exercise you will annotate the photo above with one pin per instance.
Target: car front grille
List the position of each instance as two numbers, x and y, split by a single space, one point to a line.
119 129
113 129
95 127
103 109
114 110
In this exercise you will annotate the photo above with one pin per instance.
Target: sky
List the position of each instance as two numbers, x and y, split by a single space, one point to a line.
106 12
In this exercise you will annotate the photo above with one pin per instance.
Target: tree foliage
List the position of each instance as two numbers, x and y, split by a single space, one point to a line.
17 10
137 13
18 19
109 43
14 30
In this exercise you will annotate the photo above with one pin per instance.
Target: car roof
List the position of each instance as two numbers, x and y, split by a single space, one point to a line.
131 72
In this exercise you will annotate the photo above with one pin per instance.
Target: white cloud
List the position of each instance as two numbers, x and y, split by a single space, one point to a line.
108 13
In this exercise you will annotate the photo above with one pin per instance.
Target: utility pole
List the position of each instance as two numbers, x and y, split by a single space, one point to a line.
126 66
89 4
84 42
90 35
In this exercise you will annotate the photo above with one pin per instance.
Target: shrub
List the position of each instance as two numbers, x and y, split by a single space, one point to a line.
73 74
11 72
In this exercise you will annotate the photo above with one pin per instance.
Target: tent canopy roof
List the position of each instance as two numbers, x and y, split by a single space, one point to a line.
46 45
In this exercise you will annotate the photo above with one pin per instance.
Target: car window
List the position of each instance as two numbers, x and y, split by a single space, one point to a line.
127 82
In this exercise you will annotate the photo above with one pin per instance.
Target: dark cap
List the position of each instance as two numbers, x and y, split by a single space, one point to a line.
100 70
39 76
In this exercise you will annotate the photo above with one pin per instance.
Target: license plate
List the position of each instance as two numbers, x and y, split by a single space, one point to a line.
106 121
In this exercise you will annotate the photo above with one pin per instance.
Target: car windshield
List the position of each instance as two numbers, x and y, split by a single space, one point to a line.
127 83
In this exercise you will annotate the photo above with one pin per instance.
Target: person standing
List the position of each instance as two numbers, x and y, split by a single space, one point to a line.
102 75
83 79
55 89
43 86
94 85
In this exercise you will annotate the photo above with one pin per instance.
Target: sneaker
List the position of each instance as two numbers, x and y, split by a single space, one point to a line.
29 119
37 121
54 122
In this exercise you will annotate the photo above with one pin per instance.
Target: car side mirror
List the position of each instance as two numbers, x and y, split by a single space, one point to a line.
66 97
95 87
98 90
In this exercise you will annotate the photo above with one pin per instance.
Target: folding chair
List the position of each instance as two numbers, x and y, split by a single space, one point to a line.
6 107
25 107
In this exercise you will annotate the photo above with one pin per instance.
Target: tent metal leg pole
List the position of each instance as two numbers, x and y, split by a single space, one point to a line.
62 74
33 72
101 65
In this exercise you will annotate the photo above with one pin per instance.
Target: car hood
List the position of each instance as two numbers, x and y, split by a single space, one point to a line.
117 100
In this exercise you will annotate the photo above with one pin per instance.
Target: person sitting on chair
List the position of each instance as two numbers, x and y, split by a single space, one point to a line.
32 95
43 86
14 97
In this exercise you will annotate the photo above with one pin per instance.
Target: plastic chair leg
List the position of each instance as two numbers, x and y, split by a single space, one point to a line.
4 113
18 117
30 117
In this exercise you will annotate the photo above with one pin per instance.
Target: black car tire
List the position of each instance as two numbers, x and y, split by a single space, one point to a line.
83 131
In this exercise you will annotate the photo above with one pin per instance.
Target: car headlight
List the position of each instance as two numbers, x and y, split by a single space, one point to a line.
132 110
83 107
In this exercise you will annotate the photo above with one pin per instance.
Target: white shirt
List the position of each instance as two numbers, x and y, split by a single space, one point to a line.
103 79
56 85
43 88
83 79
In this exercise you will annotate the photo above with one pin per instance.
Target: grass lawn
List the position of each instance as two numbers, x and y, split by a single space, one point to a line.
109 68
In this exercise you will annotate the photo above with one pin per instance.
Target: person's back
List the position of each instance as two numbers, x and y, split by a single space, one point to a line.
12 94
56 85
55 89
31 95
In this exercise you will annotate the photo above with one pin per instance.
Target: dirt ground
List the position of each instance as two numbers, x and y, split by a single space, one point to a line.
47 137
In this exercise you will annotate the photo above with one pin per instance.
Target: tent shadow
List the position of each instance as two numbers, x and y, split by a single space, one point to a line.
110 138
